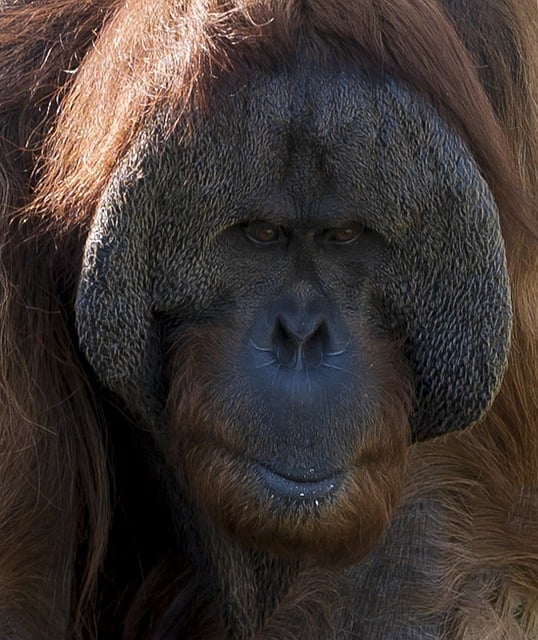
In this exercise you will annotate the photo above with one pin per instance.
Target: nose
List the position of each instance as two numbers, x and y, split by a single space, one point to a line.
299 339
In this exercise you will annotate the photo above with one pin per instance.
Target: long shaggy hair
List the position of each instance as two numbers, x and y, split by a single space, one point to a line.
79 80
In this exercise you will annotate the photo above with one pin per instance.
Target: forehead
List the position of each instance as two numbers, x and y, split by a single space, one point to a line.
306 144
293 121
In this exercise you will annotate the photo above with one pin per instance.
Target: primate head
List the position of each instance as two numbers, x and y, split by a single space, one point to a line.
290 288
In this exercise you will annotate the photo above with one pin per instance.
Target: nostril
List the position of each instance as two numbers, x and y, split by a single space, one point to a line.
286 344
318 334
299 341
283 333
314 345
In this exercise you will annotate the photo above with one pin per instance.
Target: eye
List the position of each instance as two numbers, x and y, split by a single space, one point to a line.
343 235
262 232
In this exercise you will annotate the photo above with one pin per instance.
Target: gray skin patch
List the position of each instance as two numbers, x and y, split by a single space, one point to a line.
373 149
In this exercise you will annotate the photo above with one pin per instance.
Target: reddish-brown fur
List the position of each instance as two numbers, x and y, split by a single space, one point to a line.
78 81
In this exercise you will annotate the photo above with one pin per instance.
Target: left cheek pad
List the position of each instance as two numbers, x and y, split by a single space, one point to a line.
445 284
450 300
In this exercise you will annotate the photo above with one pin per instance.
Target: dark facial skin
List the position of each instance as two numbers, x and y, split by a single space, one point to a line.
300 352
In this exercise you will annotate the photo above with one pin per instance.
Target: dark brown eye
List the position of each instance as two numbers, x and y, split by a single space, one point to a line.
343 235
263 232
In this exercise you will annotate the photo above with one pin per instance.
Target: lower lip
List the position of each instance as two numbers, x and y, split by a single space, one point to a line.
285 487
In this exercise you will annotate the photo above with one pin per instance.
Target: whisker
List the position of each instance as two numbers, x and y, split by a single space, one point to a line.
340 352
266 364
274 375
309 381
336 353
258 348
332 366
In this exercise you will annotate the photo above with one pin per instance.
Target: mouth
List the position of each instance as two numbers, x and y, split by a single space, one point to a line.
298 487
